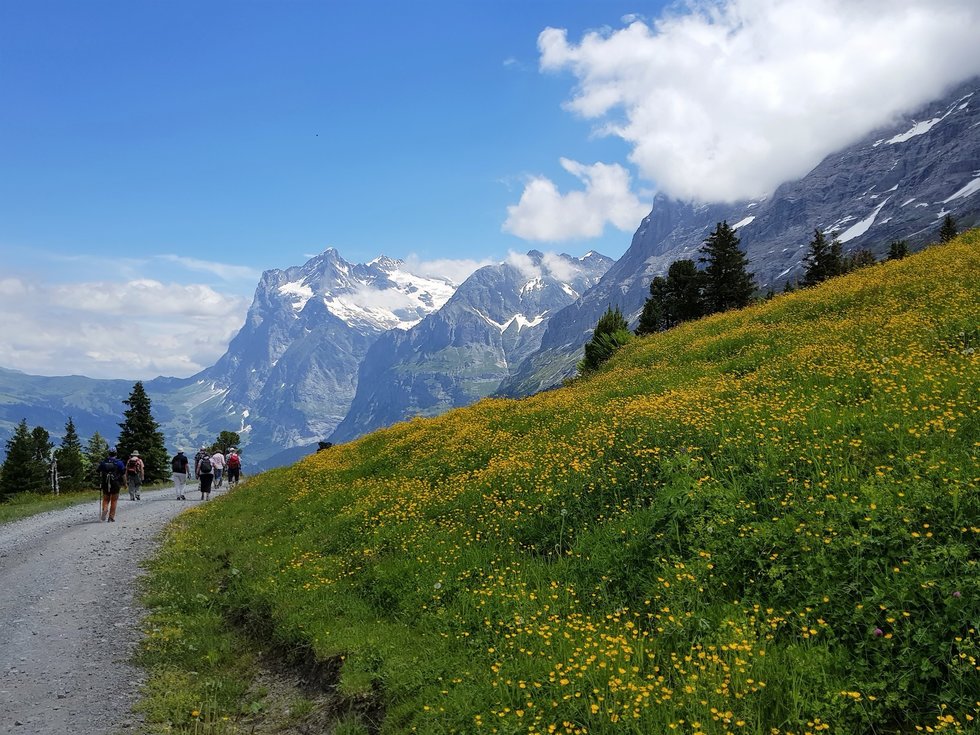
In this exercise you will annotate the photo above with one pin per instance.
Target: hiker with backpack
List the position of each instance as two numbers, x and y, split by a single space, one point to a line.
111 471
205 473
179 466
134 475
234 465
202 452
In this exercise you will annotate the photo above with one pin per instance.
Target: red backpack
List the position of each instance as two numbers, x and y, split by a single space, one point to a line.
234 462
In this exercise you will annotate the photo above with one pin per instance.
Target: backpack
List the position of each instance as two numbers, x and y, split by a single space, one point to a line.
234 462
107 474
133 466
205 467
177 463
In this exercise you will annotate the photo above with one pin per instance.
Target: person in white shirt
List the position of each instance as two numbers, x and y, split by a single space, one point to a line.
218 464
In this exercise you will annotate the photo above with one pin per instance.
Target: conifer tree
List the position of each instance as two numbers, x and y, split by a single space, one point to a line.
611 333
28 461
16 470
96 450
898 249
823 260
71 460
859 259
685 285
948 229
141 432
727 281
654 317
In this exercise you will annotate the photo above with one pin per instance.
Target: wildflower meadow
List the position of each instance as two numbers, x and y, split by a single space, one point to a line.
766 521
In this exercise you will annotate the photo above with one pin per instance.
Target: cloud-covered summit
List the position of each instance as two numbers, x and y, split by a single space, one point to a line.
723 101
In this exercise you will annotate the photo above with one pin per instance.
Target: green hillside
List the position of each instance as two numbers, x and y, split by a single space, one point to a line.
767 521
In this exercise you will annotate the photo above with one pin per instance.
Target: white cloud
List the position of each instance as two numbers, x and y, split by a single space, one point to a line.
523 263
545 214
455 270
134 329
561 268
733 97
225 271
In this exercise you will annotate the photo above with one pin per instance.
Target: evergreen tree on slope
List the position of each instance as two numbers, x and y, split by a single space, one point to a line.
611 333
140 431
948 230
727 281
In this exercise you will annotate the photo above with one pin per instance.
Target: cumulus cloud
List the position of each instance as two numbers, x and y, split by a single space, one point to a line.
454 270
135 330
545 214
729 99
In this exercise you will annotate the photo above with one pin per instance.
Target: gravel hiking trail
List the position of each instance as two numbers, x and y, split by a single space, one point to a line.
69 617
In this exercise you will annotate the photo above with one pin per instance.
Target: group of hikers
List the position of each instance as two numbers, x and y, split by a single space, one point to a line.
209 470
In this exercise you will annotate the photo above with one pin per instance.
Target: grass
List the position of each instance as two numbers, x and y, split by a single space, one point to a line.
763 522
23 505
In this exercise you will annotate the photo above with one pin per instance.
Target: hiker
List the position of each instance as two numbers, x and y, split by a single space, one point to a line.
202 452
218 465
179 466
234 465
205 474
134 475
111 471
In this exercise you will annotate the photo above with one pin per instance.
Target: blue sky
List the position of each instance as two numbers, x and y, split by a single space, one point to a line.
257 132
156 156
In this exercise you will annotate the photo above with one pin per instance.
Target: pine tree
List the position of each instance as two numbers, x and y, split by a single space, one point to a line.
859 259
948 230
71 460
836 265
823 260
898 249
141 432
96 450
727 281
685 286
16 470
654 317
611 333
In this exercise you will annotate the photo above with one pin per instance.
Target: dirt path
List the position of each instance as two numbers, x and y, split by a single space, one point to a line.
68 619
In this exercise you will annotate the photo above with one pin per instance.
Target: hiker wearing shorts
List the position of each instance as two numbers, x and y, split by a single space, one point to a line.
111 471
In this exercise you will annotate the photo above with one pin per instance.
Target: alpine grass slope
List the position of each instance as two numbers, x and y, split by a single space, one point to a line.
765 521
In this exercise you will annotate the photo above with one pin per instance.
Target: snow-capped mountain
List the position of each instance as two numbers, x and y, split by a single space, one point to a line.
463 351
291 371
896 183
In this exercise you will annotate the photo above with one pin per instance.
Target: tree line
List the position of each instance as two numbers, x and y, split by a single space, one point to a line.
34 464
720 280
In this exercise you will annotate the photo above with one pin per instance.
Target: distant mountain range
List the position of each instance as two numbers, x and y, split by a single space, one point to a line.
465 350
335 349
